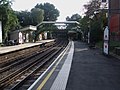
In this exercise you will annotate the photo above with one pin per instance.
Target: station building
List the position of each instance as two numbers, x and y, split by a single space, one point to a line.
26 35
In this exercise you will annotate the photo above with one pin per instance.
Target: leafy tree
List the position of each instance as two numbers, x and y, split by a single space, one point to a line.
34 17
84 24
8 18
96 20
37 16
24 18
74 17
50 12
92 7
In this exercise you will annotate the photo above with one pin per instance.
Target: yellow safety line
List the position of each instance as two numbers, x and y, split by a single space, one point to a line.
45 80
50 73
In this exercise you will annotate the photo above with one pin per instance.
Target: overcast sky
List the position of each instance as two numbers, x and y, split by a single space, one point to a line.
66 7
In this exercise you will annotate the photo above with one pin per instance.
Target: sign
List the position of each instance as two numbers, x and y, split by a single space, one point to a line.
0 32
106 41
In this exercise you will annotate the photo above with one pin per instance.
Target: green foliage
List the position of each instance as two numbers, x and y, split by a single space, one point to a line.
37 15
92 6
7 16
99 44
94 20
50 12
74 17
96 32
40 12
30 18
24 18
84 23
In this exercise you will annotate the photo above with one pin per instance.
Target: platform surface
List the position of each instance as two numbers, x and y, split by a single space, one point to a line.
56 76
21 46
81 68
91 70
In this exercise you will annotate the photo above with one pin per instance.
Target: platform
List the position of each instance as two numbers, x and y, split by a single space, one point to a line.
80 68
21 46
56 76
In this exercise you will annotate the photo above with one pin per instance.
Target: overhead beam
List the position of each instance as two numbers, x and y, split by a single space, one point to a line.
56 22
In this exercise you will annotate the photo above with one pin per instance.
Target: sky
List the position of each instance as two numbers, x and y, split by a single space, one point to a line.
66 7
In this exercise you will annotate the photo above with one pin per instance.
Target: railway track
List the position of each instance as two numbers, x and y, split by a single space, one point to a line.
16 79
20 61
7 58
9 68
16 64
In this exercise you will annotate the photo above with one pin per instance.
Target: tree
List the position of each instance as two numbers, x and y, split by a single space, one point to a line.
96 19
24 18
92 7
74 17
50 12
8 18
84 24
34 17
37 16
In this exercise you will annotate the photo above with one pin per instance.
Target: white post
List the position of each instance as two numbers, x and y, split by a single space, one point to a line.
106 41
0 32
89 37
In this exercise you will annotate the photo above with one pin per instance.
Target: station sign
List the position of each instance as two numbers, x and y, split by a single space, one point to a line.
0 32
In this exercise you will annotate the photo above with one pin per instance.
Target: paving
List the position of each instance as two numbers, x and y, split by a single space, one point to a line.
91 70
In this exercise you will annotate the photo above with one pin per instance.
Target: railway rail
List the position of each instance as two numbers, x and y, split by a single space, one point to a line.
10 57
33 67
22 60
